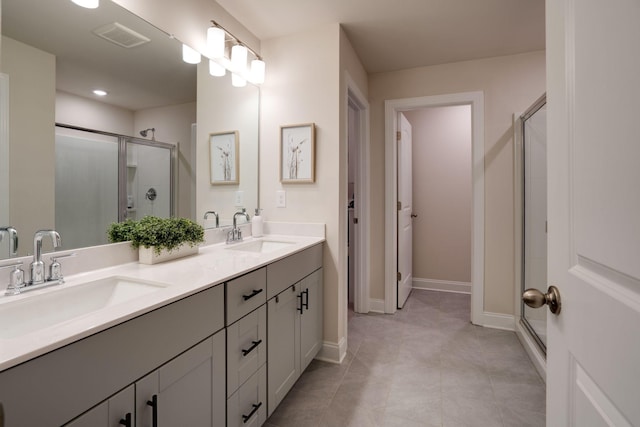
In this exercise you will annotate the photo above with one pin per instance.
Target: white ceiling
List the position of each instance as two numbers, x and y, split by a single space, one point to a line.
146 76
398 34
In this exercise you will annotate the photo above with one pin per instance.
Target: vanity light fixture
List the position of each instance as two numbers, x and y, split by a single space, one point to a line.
237 80
257 71
89 4
216 38
190 55
239 58
100 92
221 58
216 69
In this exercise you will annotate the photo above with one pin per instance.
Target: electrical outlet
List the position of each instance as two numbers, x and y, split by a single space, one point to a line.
281 199
239 198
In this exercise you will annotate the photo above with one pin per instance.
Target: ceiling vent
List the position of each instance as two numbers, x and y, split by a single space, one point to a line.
121 35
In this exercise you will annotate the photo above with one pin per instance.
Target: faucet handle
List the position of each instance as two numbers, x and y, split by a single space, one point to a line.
55 269
16 280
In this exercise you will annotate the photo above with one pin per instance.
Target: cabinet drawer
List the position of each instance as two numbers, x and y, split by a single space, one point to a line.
246 348
245 294
247 407
287 271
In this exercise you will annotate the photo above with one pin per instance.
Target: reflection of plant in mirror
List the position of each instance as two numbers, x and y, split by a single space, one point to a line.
159 233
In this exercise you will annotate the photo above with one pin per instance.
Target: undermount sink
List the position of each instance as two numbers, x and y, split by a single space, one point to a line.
25 315
260 246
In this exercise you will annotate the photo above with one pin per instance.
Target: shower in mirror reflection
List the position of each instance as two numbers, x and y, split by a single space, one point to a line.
145 132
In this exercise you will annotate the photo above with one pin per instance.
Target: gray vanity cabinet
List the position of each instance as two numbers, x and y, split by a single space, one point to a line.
117 411
247 349
294 333
187 391
294 314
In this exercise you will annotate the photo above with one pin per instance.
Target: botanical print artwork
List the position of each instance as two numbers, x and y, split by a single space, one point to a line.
295 155
297 152
224 158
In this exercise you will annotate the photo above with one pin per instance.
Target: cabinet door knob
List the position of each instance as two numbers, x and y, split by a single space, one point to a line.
306 303
301 308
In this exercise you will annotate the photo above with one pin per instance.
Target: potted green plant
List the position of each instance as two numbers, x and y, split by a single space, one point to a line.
158 239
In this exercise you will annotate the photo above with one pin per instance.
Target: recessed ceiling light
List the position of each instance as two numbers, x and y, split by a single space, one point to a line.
99 92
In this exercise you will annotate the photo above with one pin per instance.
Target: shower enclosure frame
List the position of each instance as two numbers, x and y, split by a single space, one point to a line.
122 141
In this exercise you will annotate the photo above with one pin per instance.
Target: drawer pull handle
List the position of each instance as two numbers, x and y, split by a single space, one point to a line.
250 349
246 418
126 421
253 294
154 404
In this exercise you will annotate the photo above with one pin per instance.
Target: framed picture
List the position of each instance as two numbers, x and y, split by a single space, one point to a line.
297 153
223 158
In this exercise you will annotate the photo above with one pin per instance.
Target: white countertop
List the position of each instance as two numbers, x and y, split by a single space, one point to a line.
213 265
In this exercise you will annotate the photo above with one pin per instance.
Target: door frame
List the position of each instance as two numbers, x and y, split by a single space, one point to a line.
392 108
362 203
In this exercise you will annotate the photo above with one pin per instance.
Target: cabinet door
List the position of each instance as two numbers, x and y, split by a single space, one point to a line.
311 319
189 390
283 333
117 411
246 348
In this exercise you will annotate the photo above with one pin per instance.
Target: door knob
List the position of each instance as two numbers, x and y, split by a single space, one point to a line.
534 298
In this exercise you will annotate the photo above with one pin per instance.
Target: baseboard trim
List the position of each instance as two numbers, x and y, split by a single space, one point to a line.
442 285
533 351
506 322
376 305
332 352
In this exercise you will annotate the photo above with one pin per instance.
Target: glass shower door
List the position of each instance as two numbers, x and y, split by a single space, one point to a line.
148 185
534 248
86 186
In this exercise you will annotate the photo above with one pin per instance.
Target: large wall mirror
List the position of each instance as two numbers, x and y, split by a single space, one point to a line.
54 54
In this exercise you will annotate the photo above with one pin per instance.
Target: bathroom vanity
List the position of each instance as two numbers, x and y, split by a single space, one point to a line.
219 341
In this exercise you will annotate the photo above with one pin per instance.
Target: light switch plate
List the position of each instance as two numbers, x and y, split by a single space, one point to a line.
239 198
281 199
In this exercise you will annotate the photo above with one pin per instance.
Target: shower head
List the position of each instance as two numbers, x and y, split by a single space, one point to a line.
144 132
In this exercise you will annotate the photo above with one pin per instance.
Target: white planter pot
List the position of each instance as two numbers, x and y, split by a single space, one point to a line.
149 255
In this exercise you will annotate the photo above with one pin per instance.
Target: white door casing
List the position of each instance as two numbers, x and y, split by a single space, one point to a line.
593 353
392 108
405 210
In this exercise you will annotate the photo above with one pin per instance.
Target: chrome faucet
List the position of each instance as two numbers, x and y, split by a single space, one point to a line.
206 215
37 266
235 235
12 233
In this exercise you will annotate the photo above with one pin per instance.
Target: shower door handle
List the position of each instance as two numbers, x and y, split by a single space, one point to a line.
535 298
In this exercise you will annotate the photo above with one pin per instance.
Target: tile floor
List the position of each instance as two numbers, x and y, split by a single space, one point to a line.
427 365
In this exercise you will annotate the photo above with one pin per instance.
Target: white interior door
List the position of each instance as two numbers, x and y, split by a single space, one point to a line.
405 206
593 60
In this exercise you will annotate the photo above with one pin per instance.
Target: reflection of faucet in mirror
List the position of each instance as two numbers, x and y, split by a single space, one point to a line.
146 131
12 233
235 235
37 266
206 215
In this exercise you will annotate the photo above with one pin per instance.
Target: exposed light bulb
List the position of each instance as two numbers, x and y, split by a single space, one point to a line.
257 71
216 69
89 4
238 81
216 42
190 56
239 58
